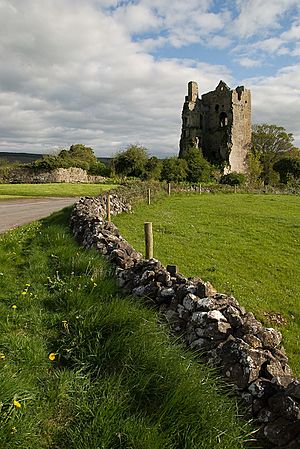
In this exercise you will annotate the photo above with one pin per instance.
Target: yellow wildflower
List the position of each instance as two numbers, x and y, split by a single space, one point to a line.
14 307
65 324
52 356
24 292
17 404
27 285
2 356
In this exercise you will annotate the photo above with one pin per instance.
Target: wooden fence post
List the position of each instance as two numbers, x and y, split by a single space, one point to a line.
169 188
149 196
108 207
148 240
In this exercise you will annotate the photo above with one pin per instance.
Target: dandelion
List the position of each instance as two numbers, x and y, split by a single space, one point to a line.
17 404
14 307
27 285
52 356
2 356
24 292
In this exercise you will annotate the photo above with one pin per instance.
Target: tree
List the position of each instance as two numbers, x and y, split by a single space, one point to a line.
254 169
81 152
174 169
131 162
153 168
45 163
98 169
77 156
288 166
198 168
269 142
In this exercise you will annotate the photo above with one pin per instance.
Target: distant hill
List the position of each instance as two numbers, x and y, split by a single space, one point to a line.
20 157
27 158
105 160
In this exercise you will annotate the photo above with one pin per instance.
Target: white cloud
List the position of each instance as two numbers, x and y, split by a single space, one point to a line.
276 99
180 23
296 50
271 45
137 18
264 17
292 34
248 62
220 42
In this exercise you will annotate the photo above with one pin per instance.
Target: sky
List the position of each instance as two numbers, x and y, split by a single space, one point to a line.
111 73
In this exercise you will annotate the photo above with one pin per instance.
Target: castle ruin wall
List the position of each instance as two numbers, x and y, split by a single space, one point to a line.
219 124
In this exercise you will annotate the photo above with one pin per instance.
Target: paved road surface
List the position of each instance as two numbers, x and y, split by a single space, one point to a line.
14 213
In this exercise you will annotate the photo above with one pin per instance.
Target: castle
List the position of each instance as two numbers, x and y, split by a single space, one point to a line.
219 124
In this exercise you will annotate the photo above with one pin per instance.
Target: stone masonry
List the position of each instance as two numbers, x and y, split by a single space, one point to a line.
219 124
24 175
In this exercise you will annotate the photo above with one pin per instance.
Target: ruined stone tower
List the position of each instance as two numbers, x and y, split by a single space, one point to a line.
219 124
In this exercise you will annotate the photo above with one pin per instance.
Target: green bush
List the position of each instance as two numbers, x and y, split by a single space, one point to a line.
198 168
288 168
174 169
98 169
130 162
233 179
78 156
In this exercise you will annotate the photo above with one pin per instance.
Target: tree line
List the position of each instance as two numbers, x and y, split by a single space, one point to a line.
272 159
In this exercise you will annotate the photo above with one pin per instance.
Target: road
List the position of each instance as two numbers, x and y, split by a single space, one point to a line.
14 213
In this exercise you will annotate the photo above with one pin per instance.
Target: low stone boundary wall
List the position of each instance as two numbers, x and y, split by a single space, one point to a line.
249 355
23 175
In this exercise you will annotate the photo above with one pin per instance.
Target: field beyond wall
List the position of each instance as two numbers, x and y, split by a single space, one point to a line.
245 245
9 191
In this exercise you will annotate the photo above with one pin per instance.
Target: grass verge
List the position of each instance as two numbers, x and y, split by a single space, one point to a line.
246 245
83 367
55 189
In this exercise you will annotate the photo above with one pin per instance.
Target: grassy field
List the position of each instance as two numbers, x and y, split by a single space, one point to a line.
245 245
9 191
82 367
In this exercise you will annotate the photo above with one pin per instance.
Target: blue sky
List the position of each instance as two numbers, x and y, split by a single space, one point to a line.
110 73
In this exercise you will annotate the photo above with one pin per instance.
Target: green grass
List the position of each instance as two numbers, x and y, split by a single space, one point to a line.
56 189
118 380
245 245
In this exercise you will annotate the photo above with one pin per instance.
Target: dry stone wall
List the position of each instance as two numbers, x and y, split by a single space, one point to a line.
29 176
249 355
